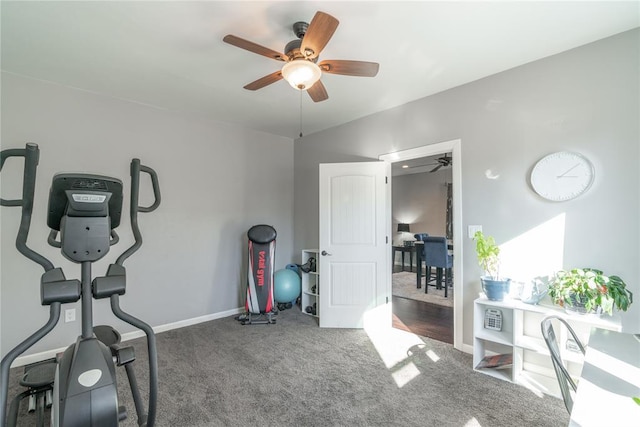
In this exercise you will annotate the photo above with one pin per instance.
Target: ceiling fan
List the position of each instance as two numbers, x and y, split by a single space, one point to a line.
441 162
301 68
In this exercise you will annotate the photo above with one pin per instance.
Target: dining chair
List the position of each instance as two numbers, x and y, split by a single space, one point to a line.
421 236
420 247
567 384
436 254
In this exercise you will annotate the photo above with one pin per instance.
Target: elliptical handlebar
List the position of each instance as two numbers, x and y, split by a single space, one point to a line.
31 154
152 352
134 208
136 168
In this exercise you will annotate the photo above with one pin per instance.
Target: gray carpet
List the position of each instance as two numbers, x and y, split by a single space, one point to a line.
293 373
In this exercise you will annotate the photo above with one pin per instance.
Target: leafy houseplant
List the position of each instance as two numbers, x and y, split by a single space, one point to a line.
587 290
494 286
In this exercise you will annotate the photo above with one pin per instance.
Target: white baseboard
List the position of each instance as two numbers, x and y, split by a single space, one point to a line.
48 354
466 348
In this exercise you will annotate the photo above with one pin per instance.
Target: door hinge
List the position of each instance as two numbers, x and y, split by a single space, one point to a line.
386 239
386 179
387 300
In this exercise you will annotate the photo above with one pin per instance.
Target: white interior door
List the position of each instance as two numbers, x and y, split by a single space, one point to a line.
353 244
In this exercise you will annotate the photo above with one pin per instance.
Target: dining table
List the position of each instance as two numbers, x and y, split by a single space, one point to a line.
404 249
609 381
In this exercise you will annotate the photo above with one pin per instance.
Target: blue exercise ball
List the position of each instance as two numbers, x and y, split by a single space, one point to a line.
286 286
293 267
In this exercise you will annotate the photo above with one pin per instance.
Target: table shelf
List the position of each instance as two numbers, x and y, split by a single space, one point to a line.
520 335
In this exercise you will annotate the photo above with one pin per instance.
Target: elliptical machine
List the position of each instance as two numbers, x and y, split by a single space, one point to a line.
85 210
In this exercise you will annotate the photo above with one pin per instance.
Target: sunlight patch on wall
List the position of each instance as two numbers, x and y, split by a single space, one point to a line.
536 252
614 367
490 174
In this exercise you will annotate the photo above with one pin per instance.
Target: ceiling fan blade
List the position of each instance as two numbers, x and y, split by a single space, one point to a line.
317 92
350 68
255 48
435 169
265 81
421 166
320 30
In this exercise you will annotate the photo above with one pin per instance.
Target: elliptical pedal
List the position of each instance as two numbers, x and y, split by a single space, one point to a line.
38 378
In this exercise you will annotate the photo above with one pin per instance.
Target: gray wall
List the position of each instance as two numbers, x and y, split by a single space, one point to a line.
584 100
216 180
420 200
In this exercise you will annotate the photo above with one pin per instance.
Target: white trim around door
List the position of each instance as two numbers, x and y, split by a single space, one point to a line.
454 147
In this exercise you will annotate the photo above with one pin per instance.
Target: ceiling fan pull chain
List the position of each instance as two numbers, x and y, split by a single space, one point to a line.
300 113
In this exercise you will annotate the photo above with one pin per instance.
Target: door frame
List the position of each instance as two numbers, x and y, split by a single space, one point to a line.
455 148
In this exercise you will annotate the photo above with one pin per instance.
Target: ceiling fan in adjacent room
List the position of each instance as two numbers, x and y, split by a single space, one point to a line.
440 162
443 161
301 69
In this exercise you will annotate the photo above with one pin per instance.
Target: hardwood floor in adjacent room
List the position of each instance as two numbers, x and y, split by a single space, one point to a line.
423 318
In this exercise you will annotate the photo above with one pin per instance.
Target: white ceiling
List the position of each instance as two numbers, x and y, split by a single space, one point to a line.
170 54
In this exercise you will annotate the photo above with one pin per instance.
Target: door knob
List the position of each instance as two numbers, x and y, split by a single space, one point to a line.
325 253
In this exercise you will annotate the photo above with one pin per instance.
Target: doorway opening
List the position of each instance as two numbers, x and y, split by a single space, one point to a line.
445 323
422 205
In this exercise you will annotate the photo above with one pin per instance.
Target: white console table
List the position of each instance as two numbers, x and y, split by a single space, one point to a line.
520 337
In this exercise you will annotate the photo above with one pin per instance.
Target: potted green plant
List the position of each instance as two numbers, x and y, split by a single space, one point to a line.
494 286
588 290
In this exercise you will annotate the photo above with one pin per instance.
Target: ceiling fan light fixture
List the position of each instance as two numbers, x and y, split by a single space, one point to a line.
301 74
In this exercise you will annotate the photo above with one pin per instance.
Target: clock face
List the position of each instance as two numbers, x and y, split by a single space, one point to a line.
562 176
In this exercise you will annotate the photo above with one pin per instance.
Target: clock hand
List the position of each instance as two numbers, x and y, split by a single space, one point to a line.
569 170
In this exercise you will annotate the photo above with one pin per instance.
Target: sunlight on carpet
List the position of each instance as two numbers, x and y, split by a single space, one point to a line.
396 348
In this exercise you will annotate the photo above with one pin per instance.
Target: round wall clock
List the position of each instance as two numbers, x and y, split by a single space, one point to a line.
562 176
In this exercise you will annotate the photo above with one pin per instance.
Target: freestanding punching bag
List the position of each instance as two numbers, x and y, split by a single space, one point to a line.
260 276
